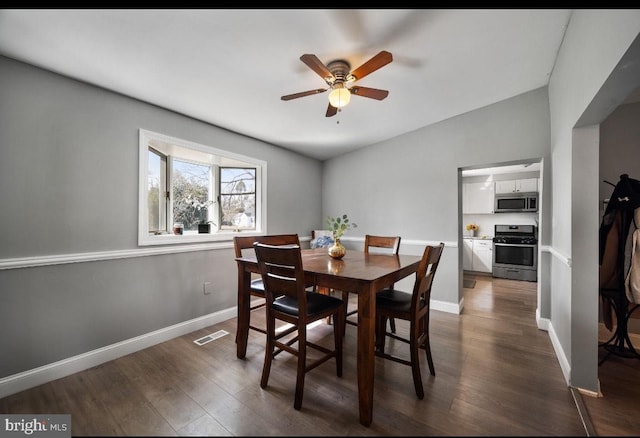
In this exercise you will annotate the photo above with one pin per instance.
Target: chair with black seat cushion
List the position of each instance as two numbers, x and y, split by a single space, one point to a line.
244 244
375 244
290 302
412 307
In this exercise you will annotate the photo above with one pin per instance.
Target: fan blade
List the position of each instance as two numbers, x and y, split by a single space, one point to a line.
316 65
331 111
373 93
380 60
303 94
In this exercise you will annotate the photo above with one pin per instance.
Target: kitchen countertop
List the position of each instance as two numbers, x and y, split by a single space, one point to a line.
480 237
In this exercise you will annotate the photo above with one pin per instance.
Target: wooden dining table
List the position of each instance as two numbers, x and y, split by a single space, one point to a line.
357 272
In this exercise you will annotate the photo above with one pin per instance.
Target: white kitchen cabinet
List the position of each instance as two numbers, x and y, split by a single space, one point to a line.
467 254
477 255
506 186
517 185
482 255
477 198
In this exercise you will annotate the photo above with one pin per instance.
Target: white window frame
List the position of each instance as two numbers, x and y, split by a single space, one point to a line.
218 157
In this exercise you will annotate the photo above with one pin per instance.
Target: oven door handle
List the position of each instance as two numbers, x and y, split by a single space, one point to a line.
527 245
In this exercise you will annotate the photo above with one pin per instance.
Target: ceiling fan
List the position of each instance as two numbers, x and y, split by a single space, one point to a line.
337 74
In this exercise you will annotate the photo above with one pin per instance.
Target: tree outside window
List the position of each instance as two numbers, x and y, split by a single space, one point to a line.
238 198
191 194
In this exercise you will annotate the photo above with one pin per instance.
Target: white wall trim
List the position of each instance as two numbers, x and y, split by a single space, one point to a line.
61 259
445 306
422 243
557 254
37 376
542 323
562 359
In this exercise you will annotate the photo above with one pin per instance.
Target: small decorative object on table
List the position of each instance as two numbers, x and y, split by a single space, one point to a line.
472 229
338 226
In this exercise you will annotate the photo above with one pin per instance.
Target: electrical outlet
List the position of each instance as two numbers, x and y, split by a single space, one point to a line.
206 287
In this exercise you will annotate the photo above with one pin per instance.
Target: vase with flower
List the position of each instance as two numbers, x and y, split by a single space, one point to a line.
472 229
338 226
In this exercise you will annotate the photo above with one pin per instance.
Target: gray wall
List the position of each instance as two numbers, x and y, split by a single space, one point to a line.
69 190
410 184
593 74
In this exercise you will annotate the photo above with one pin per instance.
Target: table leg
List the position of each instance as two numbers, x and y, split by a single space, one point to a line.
244 304
366 353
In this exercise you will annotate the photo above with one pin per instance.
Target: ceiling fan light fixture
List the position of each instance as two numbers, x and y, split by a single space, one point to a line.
337 74
339 97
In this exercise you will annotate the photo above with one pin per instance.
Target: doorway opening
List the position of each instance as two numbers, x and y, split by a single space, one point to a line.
478 186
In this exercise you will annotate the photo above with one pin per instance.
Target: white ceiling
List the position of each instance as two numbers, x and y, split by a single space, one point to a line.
229 67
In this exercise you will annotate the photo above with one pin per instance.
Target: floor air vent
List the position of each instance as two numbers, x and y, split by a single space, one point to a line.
203 340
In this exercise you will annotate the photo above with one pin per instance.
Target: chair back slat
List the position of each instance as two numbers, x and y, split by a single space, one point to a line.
392 243
242 243
279 239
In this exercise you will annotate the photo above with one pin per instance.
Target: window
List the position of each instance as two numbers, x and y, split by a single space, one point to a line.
196 193
238 198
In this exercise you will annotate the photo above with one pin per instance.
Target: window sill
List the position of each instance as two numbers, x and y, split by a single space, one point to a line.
193 237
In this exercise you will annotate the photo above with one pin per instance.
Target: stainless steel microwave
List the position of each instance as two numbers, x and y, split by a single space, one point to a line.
516 202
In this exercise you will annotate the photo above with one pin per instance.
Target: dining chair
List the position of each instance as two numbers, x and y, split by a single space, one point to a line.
321 238
412 307
289 301
374 244
243 245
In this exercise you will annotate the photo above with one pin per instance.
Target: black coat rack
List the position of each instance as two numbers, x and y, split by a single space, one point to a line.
614 230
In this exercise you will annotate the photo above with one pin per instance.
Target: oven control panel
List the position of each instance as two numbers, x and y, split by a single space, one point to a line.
523 240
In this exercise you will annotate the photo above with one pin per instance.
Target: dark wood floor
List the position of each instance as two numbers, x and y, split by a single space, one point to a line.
496 374
617 412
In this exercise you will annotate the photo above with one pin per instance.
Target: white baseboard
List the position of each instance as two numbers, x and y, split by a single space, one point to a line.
38 376
543 323
562 359
445 306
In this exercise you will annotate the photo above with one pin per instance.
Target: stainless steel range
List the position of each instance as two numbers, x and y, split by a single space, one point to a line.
515 252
